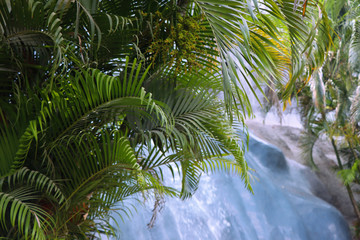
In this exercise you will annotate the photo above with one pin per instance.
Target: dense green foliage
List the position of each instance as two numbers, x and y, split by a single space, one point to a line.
98 98
330 99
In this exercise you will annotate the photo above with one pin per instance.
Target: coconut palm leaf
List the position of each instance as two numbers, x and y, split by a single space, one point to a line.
252 49
236 26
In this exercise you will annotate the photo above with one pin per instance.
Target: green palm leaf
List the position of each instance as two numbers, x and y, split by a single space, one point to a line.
20 210
26 216
355 107
318 90
354 48
236 27
201 136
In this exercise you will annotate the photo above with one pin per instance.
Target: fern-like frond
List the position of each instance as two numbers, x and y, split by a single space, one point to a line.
355 107
35 179
236 27
318 90
354 48
307 143
17 211
200 133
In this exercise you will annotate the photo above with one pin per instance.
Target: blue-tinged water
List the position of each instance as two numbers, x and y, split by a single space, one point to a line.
283 206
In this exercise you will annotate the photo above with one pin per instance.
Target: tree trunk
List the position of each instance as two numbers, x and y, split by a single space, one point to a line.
348 188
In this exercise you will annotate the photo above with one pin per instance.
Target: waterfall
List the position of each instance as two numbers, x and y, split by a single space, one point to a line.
283 206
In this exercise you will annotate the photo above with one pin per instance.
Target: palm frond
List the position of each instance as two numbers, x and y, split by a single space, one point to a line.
95 99
96 155
191 173
34 40
106 170
18 132
18 211
307 143
35 179
354 48
355 107
236 27
318 90
333 8
200 133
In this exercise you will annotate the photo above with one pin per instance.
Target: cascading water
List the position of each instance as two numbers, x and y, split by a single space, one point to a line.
283 206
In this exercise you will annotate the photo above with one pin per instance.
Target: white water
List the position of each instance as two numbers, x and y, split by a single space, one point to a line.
283 206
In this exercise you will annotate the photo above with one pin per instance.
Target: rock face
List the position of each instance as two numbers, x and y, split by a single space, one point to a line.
283 206
287 139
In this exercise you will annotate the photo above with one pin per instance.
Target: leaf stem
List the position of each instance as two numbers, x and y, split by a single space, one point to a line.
348 188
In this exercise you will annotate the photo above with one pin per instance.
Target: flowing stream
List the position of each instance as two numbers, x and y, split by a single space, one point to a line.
283 206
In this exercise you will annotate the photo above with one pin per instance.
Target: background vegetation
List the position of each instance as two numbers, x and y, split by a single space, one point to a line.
330 103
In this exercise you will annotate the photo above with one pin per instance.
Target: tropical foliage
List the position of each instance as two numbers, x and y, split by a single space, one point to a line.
99 98
330 103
